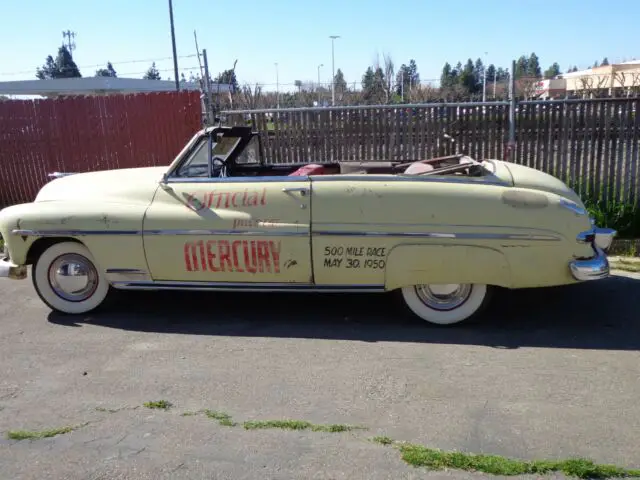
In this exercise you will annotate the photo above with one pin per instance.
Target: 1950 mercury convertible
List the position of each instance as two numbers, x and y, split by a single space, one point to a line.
443 232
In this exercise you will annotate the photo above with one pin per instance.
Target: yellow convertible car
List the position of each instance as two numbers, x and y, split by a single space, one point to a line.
443 232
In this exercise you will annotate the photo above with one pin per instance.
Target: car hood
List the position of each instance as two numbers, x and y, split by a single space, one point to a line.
127 185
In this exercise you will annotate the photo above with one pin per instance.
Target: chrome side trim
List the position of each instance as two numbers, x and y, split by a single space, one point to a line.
306 232
257 179
574 207
246 287
127 275
125 270
77 233
73 233
264 233
423 225
594 268
466 236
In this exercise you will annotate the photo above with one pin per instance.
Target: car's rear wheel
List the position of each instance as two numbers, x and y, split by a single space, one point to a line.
67 279
446 304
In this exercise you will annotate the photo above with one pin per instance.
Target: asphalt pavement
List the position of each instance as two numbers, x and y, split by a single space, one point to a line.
543 374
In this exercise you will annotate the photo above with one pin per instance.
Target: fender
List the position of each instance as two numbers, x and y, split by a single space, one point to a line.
419 264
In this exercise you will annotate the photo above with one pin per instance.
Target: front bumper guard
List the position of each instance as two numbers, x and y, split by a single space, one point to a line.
12 271
596 267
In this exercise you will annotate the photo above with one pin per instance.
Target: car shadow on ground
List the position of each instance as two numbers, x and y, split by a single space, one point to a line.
595 315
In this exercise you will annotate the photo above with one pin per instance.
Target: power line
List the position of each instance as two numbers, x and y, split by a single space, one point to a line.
113 63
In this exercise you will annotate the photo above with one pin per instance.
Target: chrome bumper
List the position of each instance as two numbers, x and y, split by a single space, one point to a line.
10 270
596 267
591 268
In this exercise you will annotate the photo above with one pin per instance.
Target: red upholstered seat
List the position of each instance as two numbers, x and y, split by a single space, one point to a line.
310 169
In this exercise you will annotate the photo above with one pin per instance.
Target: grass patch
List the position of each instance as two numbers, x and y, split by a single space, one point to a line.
36 435
188 414
434 459
623 217
223 419
159 404
298 425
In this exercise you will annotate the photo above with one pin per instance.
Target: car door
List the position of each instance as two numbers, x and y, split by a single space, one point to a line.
200 228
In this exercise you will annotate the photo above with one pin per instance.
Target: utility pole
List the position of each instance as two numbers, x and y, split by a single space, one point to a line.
484 79
402 85
277 87
71 46
318 87
207 86
333 70
173 43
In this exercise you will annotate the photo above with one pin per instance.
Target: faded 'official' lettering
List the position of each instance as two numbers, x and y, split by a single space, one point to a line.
239 198
250 256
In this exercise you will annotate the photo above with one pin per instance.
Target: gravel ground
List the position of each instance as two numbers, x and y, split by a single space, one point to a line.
545 373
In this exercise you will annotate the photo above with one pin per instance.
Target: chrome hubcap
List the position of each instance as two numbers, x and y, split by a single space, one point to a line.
73 277
443 296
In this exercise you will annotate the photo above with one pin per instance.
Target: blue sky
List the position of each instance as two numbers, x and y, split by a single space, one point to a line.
295 34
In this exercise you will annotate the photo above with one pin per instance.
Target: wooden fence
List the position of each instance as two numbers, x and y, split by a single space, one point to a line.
79 134
590 144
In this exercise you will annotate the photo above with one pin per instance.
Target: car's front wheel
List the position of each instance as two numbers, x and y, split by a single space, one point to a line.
446 304
67 279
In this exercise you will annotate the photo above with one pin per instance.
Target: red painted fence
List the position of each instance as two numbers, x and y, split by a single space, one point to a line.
81 134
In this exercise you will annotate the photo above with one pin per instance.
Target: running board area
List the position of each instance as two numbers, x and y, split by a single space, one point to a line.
245 287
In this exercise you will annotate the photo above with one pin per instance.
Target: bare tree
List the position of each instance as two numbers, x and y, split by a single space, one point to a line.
592 86
389 76
251 96
634 86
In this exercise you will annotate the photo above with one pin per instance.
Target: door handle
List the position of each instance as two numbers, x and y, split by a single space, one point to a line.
303 190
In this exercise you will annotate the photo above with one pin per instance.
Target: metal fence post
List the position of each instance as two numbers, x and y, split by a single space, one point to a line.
511 145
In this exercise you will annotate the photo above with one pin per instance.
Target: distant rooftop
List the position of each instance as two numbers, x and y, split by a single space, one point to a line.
97 85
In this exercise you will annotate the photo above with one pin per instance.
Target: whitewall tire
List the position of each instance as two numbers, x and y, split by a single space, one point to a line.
67 279
446 304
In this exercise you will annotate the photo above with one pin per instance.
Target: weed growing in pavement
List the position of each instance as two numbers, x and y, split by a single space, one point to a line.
159 404
224 419
298 425
36 435
434 459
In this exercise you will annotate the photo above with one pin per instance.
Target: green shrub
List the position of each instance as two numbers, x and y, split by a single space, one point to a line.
623 217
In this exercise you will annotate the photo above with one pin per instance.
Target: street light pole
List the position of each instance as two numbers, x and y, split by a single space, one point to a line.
277 86
318 87
333 70
173 43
